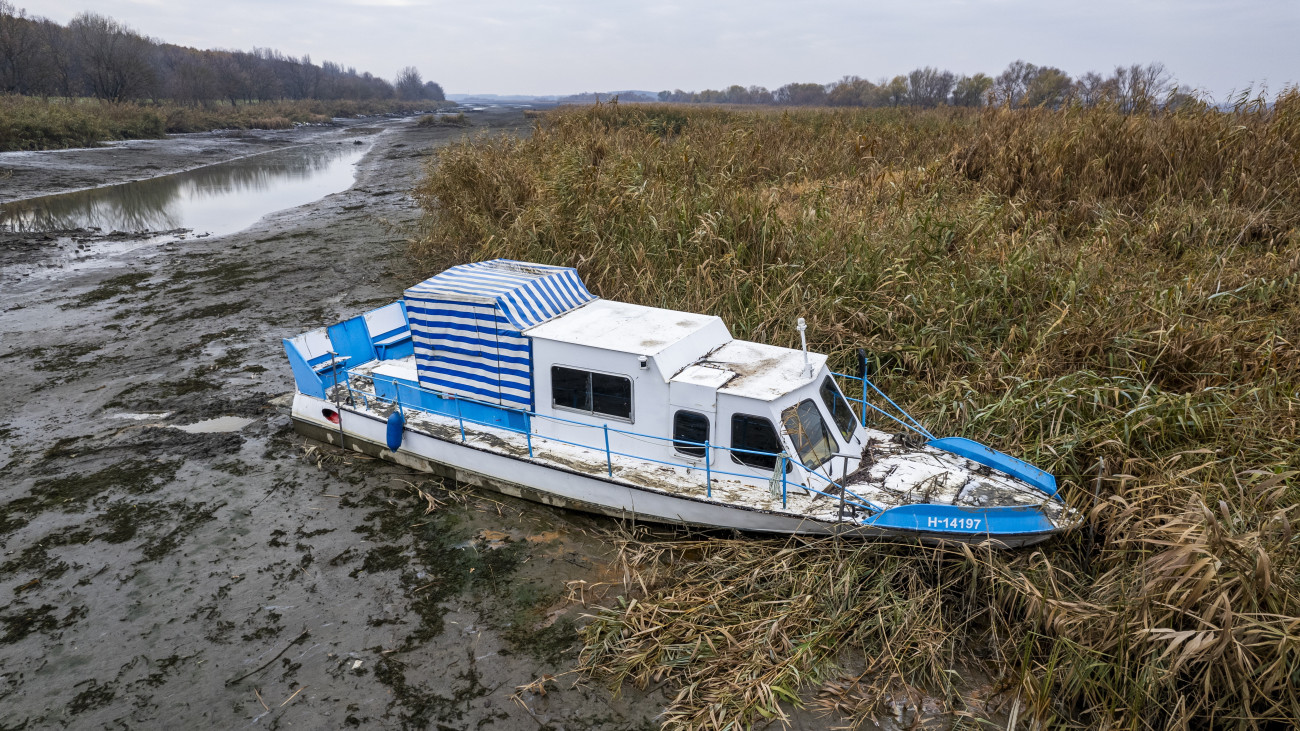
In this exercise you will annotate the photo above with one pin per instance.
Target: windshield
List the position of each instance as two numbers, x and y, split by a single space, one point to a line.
812 440
839 408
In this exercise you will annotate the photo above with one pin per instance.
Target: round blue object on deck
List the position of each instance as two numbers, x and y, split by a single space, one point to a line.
396 427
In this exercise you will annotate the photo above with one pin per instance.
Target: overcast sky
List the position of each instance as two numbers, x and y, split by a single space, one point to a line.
568 46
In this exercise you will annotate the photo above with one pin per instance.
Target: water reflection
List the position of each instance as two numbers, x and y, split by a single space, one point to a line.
217 199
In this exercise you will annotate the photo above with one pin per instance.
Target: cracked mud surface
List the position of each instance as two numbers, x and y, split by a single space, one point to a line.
152 577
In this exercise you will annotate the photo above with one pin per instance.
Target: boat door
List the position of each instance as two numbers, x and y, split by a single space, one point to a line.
693 412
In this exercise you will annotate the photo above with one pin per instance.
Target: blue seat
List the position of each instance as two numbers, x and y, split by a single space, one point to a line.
389 332
313 359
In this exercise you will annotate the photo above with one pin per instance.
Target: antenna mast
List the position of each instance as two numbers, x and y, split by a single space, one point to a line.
803 339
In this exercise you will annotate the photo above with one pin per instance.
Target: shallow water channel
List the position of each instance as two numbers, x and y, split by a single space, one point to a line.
210 200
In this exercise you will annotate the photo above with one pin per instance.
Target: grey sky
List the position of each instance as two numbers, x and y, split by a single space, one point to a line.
541 47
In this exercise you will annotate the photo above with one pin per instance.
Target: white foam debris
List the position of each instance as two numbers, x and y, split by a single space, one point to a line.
219 425
142 417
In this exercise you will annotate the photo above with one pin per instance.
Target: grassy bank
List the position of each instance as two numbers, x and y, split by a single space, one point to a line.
28 123
1115 298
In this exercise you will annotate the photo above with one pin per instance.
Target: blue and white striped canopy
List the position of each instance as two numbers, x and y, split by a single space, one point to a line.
466 323
525 294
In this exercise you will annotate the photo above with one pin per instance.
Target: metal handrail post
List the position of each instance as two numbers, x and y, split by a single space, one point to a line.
460 418
863 417
844 486
528 433
784 463
708 470
609 460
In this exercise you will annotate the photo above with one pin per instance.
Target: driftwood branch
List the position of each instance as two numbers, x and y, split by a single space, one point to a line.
305 634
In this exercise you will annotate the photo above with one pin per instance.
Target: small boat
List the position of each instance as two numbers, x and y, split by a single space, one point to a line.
513 376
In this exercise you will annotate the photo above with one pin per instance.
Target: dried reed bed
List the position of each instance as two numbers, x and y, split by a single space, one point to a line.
1116 298
29 123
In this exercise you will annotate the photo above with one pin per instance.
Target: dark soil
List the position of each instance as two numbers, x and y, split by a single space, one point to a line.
155 578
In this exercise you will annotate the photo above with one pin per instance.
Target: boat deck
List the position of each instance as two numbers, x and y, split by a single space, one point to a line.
895 471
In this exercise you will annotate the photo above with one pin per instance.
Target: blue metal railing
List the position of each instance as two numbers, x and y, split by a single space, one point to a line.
709 448
862 417
996 521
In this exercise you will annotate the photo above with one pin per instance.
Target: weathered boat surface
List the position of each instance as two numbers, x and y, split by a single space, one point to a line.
512 376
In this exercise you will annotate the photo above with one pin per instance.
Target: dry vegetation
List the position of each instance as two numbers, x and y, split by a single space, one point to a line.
444 120
28 123
1115 298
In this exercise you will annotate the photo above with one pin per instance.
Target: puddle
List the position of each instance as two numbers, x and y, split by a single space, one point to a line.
219 425
213 200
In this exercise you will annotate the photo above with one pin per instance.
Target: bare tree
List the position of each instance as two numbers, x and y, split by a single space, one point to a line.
300 77
190 76
114 59
22 61
232 81
260 67
64 75
929 87
1010 86
1092 88
808 94
1139 88
409 84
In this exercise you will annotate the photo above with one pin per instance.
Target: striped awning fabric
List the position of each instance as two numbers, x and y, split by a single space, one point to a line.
466 323
526 294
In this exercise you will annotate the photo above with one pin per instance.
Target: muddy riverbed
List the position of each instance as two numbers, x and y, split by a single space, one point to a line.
231 574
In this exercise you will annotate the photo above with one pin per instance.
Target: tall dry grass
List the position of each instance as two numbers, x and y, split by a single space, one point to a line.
1115 298
29 123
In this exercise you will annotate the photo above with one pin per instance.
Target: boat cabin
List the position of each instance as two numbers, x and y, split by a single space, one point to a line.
526 347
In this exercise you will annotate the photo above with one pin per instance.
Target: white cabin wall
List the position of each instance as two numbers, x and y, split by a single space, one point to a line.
811 391
650 408
681 354
728 405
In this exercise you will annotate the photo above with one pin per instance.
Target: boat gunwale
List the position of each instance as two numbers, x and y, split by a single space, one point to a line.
849 528
857 501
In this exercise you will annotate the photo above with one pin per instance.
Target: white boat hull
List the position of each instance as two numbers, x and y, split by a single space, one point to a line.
554 485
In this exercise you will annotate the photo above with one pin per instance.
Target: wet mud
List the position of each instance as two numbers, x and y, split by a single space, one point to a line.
235 575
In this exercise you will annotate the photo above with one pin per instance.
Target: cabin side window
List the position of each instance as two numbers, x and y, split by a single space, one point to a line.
591 393
690 432
755 434
839 408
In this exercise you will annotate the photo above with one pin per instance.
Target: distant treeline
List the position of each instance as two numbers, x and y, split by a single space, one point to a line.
94 55
1020 85
589 97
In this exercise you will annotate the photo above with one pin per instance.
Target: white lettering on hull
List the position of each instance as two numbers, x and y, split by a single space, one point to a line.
968 524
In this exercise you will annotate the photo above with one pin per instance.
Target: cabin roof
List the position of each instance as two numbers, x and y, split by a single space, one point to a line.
629 328
525 294
763 372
